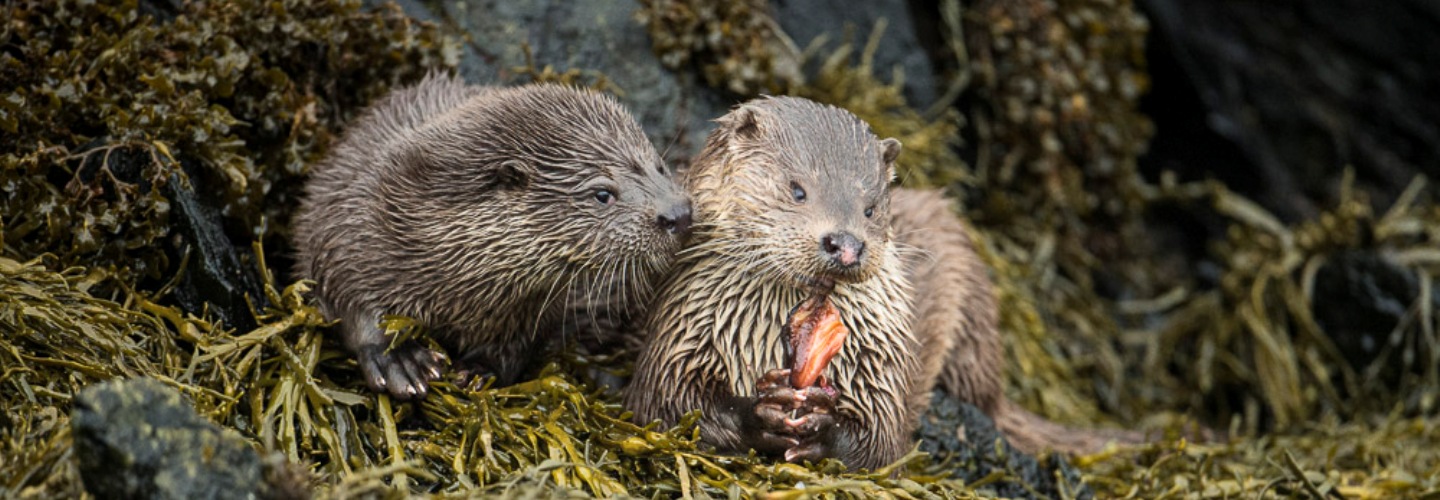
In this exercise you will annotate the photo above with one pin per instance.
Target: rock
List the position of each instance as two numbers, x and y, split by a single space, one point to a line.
900 45
142 439
1276 98
597 37
219 275
1359 299
959 432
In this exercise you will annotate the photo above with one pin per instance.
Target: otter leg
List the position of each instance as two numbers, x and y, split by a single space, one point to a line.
405 371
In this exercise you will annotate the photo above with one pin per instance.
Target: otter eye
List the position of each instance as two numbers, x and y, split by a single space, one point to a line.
869 212
605 197
798 192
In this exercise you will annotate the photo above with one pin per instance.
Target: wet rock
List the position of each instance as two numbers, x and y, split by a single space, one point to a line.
142 439
900 45
960 433
599 37
218 275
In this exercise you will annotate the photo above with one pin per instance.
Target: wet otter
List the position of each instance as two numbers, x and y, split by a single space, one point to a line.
486 214
792 199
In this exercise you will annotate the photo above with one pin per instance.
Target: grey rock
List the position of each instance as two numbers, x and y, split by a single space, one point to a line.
597 37
141 439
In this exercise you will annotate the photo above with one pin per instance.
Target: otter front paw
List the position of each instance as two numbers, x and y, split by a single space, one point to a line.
798 419
405 371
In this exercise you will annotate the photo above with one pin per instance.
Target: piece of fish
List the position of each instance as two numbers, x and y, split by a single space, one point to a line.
814 335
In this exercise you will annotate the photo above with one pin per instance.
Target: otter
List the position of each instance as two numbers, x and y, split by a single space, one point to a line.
489 215
792 199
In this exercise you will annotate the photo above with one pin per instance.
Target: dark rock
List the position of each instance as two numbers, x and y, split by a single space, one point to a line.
1359 299
597 37
1275 98
900 45
960 434
142 439
218 275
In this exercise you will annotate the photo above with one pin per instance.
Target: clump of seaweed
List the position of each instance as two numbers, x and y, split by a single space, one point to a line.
284 385
58 340
1262 351
1053 94
734 44
213 94
1384 457
1049 91
576 77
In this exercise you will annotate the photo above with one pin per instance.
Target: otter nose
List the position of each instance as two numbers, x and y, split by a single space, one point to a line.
843 248
677 219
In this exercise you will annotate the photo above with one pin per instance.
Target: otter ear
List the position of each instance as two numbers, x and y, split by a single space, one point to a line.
889 152
745 121
511 174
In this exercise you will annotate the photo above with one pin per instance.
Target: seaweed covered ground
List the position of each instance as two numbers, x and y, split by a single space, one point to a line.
151 156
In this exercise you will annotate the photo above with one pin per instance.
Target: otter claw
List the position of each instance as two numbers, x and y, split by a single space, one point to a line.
404 372
811 451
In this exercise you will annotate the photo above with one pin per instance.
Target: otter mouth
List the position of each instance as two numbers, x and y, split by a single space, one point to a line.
819 285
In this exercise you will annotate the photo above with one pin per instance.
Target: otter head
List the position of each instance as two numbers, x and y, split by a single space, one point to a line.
543 176
799 188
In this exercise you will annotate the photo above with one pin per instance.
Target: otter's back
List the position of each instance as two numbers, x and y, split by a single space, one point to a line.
393 119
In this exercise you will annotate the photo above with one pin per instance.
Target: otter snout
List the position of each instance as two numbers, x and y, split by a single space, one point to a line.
843 249
676 220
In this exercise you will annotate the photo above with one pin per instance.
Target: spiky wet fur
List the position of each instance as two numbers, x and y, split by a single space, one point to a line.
472 209
920 310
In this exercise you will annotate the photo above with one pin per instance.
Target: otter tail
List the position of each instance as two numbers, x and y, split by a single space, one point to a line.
1032 433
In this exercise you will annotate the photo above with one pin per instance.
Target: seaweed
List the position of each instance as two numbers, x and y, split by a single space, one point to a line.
593 80
1261 343
213 85
284 387
1039 132
1383 457
735 45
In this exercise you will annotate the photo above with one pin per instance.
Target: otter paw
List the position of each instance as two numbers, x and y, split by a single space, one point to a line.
772 380
811 450
787 411
814 413
405 371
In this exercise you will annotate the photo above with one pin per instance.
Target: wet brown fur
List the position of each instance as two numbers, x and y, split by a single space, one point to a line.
920 310
475 211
